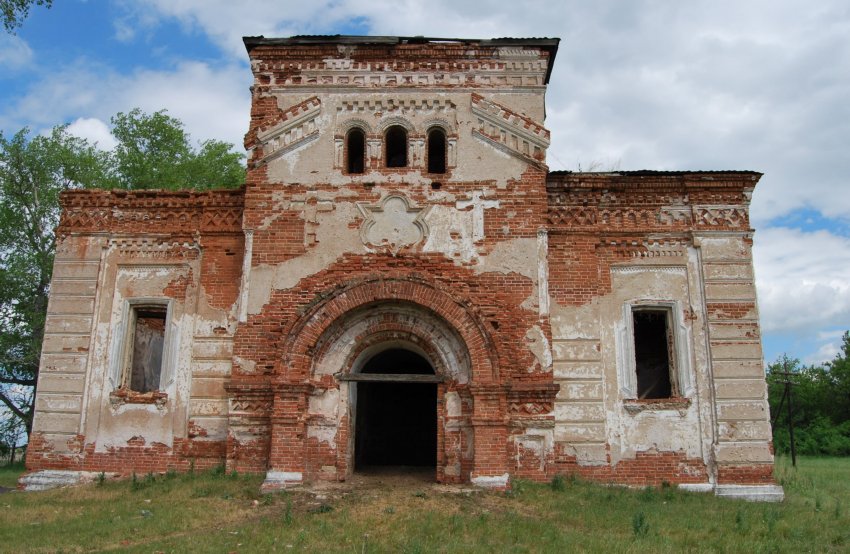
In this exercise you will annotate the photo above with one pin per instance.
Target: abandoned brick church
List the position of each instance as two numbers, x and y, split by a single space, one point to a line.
403 282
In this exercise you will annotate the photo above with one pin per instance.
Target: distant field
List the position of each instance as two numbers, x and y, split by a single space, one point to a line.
217 512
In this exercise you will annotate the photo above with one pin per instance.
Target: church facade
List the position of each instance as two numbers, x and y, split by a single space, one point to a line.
403 282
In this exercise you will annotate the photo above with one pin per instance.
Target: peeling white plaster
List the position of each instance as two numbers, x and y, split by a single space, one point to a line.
511 256
325 404
539 346
324 433
453 404
470 158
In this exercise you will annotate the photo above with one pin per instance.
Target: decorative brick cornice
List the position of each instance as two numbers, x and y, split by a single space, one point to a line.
289 129
372 105
532 400
437 64
151 211
509 131
649 201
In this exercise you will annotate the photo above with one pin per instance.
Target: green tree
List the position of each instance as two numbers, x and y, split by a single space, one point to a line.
839 377
13 12
821 401
33 171
154 152
13 429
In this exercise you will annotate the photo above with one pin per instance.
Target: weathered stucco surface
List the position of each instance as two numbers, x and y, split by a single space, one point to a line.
516 286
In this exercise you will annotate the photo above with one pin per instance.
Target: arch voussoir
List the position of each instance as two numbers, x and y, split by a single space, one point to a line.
308 331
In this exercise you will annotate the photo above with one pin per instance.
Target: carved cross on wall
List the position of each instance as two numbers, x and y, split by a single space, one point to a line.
478 206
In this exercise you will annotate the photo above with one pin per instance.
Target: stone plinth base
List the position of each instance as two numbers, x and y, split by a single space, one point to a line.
52 478
752 493
279 480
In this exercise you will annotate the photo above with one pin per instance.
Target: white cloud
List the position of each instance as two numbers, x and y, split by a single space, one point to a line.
825 353
15 53
802 280
698 85
834 335
704 84
212 101
125 31
94 130
225 22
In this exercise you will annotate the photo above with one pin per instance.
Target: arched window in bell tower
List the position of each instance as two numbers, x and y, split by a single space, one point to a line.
436 150
355 150
395 146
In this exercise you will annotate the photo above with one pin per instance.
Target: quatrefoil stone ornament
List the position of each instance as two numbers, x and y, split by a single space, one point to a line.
392 224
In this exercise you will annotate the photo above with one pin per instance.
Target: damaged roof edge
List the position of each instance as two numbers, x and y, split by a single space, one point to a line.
550 45
649 178
658 173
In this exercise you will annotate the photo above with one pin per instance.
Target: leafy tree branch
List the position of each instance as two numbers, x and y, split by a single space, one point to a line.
153 151
14 12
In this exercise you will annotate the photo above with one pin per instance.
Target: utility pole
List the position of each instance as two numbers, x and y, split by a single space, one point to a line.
787 393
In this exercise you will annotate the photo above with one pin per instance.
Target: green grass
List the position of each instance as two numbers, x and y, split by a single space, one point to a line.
9 474
217 512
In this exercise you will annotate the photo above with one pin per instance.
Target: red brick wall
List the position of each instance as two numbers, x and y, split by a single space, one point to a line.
179 225
647 468
137 457
593 220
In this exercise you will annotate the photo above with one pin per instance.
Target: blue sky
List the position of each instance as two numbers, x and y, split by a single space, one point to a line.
758 85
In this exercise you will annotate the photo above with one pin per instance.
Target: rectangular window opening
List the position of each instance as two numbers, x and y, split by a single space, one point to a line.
654 353
144 363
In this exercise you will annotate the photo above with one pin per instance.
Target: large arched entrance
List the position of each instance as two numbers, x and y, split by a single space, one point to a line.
397 332
395 392
396 412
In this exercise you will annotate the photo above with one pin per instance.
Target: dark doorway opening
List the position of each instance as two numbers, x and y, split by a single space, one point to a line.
396 422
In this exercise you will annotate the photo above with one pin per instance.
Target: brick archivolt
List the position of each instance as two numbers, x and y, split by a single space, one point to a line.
361 334
355 123
385 123
391 121
430 313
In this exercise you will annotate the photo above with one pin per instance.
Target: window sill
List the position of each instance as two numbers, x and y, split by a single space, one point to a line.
636 406
122 396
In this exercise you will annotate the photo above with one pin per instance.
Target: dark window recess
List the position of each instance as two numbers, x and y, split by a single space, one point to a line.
652 353
146 356
356 149
436 151
396 146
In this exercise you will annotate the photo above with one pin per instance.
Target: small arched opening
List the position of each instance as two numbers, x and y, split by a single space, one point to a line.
436 150
395 141
355 149
396 412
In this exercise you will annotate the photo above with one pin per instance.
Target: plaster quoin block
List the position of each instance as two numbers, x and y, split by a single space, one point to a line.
491 481
400 236
51 479
752 493
279 480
